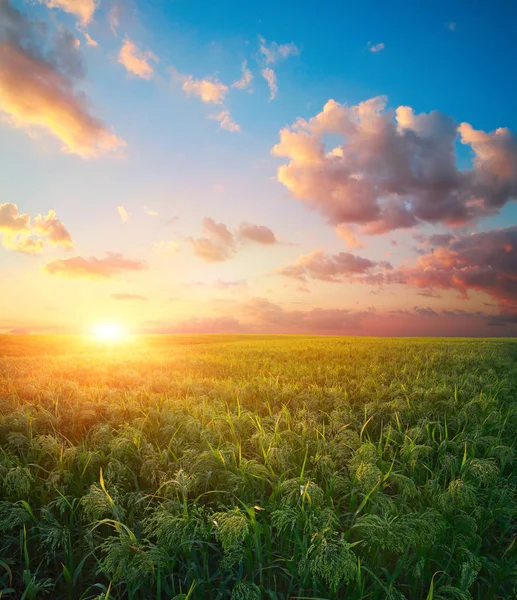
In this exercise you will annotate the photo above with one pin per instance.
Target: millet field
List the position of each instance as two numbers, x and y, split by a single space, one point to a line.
258 467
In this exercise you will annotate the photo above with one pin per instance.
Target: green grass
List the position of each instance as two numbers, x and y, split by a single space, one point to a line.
251 467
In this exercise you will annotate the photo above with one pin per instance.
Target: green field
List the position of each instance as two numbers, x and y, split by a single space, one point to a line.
252 467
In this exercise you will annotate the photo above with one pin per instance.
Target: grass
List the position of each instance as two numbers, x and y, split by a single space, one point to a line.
250 467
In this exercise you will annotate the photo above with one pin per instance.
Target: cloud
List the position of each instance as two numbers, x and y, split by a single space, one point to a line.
150 212
225 121
37 85
395 169
135 61
114 18
270 76
483 262
89 40
129 297
123 214
94 268
376 48
209 90
256 233
83 9
245 81
274 52
218 243
17 233
11 220
166 248
334 268
346 233
51 229
451 25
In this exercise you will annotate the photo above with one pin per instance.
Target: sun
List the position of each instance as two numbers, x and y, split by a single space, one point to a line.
109 332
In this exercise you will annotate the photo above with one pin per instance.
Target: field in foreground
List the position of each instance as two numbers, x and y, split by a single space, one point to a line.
250 467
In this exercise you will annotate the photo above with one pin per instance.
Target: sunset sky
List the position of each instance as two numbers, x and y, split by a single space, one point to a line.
263 167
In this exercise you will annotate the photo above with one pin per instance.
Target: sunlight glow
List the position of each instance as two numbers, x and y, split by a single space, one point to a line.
109 332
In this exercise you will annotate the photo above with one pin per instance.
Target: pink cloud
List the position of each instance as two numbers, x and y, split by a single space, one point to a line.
218 243
38 91
395 169
484 262
94 268
334 268
135 61
256 233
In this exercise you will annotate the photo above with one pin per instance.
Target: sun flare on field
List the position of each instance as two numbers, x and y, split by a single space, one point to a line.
109 332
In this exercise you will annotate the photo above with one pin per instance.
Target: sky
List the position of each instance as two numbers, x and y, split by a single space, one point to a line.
230 167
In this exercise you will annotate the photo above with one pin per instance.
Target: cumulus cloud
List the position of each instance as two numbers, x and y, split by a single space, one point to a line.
274 52
256 233
245 81
82 9
270 76
123 214
136 61
94 268
334 268
129 297
395 169
209 90
484 262
37 85
19 234
375 48
218 243
51 229
225 121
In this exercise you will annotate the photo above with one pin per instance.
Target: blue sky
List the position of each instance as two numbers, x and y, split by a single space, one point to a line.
179 162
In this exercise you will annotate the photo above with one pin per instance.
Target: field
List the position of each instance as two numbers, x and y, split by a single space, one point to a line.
250 467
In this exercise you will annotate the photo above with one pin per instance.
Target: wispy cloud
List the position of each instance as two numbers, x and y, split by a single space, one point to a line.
274 52
225 121
123 214
270 76
137 61
376 48
94 268
245 81
150 212
83 9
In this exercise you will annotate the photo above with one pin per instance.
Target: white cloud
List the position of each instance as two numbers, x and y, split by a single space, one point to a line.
246 79
270 76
